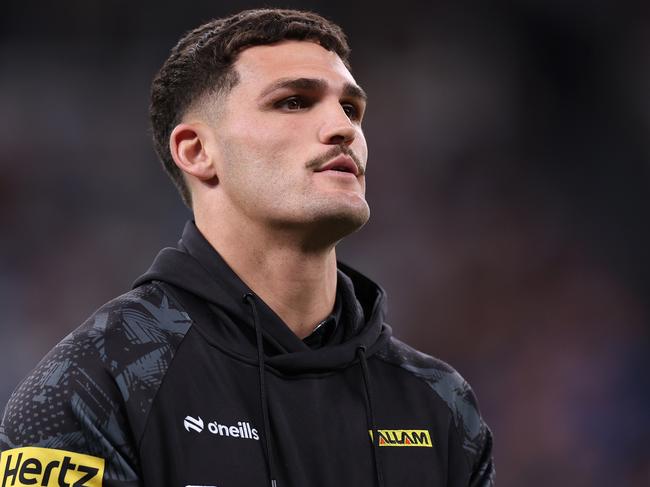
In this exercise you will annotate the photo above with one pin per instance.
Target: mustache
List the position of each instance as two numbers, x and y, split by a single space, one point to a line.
335 151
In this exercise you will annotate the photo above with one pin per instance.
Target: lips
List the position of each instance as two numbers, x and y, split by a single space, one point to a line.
342 163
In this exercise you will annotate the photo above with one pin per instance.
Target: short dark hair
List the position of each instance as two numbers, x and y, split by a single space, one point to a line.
202 63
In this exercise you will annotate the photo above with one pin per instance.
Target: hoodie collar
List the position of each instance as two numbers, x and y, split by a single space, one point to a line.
196 267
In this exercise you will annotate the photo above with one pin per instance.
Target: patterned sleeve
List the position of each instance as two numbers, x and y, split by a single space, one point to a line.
77 418
474 435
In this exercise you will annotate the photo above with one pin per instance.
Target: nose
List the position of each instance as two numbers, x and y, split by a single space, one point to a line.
338 128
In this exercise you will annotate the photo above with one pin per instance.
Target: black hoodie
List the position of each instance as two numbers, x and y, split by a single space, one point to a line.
192 380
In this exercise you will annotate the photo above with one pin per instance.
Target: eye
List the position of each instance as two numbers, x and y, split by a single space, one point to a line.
351 111
292 103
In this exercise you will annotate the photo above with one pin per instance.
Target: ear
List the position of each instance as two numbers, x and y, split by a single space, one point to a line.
188 145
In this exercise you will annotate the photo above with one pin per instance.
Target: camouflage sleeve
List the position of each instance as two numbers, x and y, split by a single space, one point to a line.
483 470
77 418
474 435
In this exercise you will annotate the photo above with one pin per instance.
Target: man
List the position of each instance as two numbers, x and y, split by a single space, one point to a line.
247 356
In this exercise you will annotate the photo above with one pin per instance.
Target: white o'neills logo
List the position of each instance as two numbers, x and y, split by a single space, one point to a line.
242 429
195 424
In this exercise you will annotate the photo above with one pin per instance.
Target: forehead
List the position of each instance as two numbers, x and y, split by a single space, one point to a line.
260 65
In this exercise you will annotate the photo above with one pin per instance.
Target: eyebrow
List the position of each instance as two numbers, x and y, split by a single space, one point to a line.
313 84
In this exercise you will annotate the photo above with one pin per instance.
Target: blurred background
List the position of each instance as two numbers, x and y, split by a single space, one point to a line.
509 179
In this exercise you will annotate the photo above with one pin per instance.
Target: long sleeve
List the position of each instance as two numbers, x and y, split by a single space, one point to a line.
78 417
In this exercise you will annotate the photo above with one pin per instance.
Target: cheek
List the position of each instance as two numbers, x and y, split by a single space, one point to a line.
361 148
255 164
268 138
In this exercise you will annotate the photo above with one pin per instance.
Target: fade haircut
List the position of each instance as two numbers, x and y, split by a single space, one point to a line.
202 64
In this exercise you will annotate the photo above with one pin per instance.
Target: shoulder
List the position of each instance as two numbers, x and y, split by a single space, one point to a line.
145 314
451 387
442 378
130 329
131 339
93 391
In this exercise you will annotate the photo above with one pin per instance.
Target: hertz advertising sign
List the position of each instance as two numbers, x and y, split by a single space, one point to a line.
47 467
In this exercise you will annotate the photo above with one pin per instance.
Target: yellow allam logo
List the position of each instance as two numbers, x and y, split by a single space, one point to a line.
420 438
47 467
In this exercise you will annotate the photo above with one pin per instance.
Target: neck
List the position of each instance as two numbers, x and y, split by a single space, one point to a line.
298 285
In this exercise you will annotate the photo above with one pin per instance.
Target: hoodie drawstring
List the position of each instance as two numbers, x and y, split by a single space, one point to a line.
270 465
370 417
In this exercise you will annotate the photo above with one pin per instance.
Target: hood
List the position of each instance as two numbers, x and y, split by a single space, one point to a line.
198 271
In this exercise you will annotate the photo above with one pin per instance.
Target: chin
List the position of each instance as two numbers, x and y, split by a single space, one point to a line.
335 223
322 223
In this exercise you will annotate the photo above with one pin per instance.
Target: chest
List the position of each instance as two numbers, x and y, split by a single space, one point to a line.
206 428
